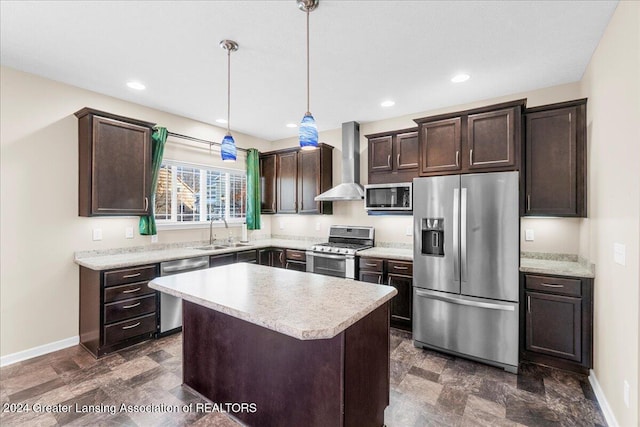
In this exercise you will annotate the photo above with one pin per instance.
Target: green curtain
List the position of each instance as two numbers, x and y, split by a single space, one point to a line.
147 225
253 189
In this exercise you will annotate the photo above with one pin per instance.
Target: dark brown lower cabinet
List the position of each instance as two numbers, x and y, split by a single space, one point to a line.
398 274
117 308
219 260
558 321
273 257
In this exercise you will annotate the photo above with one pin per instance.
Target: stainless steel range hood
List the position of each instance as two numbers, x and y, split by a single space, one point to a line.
350 189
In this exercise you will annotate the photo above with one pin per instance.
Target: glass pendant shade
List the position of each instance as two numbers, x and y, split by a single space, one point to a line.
308 133
228 149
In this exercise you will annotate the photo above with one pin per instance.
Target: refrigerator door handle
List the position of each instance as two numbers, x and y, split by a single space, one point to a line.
459 301
456 240
463 235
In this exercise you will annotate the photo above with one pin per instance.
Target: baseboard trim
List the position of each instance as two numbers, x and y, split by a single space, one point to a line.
29 353
602 400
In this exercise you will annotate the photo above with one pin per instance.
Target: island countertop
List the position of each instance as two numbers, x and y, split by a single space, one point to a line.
305 306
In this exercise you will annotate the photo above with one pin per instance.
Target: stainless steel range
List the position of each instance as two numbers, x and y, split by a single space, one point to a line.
337 257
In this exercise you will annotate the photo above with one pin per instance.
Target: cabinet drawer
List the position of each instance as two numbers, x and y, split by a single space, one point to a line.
555 285
295 255
295 265
129 328
126 309
371 264
132 290
130 275
400 267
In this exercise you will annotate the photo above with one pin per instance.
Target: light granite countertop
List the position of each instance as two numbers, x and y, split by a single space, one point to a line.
305 306
557 267
387 253
127 257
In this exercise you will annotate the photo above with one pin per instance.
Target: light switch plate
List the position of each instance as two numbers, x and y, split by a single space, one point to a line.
528 235
97 234
154 238
409 230
281 225
620 253
128 233
317 226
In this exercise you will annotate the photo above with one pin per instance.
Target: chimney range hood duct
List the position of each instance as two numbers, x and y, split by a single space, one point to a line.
350 189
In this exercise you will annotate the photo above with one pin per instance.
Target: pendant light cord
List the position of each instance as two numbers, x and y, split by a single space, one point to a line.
228 87
308 112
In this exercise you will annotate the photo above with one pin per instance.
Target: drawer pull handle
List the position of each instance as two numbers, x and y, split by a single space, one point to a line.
128 291
132 326
397 267
129 276
370 264
131 306
552 286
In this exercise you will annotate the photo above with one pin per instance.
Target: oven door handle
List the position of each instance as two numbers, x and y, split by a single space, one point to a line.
321 255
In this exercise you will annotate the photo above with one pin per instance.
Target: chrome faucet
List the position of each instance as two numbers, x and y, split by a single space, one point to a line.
211 237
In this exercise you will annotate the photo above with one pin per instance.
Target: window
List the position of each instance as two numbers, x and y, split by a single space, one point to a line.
189 194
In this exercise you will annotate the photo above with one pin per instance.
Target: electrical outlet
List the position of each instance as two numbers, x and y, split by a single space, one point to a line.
528 235
619 253
154 238
97 234
317 226
281 224
626 392
409 230
128 233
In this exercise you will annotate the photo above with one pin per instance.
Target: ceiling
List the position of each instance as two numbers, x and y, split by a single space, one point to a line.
362 53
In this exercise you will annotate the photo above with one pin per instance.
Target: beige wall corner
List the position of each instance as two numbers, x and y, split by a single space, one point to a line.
612 85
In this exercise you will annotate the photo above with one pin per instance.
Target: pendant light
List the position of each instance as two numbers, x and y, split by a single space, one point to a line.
228 147
308 129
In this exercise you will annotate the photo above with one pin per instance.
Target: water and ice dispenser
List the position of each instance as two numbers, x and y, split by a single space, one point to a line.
432 230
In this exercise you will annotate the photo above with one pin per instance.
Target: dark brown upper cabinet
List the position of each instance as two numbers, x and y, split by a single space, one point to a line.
268 184
292 178
315 169
491 138
556 160
114 164
287 182
440 146
393 156
486 139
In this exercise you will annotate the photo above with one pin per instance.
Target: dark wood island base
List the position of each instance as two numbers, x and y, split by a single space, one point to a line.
341 381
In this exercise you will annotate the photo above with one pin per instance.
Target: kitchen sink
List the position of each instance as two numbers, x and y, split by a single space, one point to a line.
211 247
226 246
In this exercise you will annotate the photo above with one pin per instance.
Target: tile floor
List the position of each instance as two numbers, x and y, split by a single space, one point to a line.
427 389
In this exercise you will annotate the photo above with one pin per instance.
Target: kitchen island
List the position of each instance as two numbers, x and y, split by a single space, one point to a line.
305 349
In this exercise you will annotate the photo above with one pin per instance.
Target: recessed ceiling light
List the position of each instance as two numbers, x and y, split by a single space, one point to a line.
223 121
292 125
459 78
388 103
136 85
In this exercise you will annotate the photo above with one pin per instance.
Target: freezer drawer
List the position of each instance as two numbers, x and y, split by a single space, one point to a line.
482 329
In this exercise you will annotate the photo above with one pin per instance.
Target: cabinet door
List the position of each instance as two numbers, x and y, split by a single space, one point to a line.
277 258
287 179
308 181
218 260
401 304
553 325
554 163
380 153
440 145
268 184
121 168
491 138
371 277
264 257
407 151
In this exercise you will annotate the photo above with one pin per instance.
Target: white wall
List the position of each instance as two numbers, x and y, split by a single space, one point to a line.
40 225
612 84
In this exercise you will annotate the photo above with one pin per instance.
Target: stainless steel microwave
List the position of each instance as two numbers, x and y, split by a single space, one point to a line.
389 197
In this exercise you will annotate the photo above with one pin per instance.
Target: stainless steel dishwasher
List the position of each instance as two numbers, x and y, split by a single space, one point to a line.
170 306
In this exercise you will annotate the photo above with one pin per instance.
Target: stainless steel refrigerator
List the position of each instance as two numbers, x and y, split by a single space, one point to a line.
465 266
